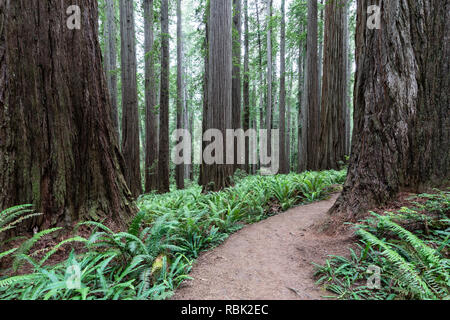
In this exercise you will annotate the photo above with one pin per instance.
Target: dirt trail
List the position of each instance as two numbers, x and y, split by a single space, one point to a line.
264 260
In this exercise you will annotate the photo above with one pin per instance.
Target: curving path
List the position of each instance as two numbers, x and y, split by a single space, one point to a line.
269 260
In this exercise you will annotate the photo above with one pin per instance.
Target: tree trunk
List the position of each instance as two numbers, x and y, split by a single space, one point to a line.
289 122
334 89
347 81
179 169
202 175
217 176
302 156
246 86
312 87
401 135
58 148
320 57
130 111
111 62
236 95
269 78
283 161
151 114
163 160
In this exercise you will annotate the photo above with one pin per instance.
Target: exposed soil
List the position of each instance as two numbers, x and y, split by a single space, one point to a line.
271 259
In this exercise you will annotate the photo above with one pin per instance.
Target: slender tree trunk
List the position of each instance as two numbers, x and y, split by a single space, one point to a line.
312 87
111 62
163 160
130 117
58 147
202 175
334 89
284 166
179 170
261 80
246 85
236 95
302 142
320 57
151 114
401 136
289 123
217 176
347 81
269 78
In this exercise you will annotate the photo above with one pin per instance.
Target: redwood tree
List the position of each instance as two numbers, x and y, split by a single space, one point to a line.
111 61
401 138
151 114
219 114
58 148
334 88
236 84
163 160
130 111
312 105
284 167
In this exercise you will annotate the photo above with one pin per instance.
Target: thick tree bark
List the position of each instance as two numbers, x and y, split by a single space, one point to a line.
217 176
130 111
312 88
236 95
283 160
58 148
163 160
401 135
179 169
111 62
246 85
151 114
334 88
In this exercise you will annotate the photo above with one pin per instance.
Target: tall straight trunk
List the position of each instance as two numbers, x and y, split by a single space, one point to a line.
111 62
217 175
163 160
130 112
401 140
58 147
179 170
236 95
246 85
151 114
261 81
334 89
269 105
320 57
312 88
347 81
302 142
284 166
289 122
202 175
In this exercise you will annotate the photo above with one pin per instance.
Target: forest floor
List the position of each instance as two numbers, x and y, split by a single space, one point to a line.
269 260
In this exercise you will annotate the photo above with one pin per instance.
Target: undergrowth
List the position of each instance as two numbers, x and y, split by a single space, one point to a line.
155 255
409 248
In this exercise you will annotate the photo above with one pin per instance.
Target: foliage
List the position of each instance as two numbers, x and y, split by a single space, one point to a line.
413 264
155 255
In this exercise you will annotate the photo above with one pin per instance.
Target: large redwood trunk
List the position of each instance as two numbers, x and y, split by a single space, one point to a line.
401 135
334 88
58 147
